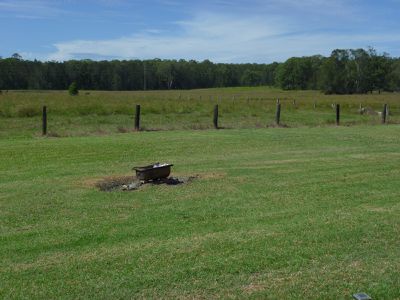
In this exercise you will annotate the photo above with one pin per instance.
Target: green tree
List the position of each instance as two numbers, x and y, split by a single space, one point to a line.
16 56
393 78
251 78
73 89
295 73
334 73
344 71
166 73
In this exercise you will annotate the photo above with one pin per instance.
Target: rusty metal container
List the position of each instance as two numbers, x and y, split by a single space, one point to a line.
153 172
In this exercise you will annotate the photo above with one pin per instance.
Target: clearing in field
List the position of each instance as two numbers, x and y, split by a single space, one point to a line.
102 113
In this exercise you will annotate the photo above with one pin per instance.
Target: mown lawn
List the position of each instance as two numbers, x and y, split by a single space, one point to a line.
275 213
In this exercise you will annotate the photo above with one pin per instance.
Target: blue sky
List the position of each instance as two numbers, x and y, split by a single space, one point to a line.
220 30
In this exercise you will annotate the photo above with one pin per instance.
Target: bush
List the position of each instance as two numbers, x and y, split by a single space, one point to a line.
73 89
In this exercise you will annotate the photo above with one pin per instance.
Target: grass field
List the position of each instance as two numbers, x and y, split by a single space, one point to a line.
101 113
299 213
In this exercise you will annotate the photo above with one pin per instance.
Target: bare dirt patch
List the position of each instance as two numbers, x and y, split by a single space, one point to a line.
130 182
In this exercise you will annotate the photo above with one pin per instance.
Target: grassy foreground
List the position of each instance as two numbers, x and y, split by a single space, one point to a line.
276 213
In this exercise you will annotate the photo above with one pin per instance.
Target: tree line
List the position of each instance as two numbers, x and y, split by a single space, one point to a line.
345 71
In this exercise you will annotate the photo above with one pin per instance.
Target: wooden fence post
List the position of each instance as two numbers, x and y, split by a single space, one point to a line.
137 118
384 114
44 121
278 113
216 116
337 114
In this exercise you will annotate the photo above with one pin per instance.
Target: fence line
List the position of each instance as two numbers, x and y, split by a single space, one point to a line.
384 116
44 120
137 118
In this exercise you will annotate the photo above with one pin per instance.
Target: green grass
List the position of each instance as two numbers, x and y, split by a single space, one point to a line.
99 113
276 213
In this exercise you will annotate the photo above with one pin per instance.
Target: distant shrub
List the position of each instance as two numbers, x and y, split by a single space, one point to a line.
73 89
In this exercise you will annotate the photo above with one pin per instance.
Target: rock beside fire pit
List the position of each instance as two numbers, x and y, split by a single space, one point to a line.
132 186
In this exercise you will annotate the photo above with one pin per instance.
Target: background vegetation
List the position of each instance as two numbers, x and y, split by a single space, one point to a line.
344 72
94 112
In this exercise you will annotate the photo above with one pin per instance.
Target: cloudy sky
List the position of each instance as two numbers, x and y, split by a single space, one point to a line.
219 30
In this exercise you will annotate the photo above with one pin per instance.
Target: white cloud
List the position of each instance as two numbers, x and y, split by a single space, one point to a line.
236 31
222 38
206 36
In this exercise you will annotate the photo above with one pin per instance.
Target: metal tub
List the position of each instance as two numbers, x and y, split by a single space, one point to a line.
153 172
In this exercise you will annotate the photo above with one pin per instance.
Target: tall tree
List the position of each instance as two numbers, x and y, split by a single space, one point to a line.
344 71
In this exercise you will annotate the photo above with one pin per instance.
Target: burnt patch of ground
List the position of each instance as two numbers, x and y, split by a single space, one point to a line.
131 183
113 183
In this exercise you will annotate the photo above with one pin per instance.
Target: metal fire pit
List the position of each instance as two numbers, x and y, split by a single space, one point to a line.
153 172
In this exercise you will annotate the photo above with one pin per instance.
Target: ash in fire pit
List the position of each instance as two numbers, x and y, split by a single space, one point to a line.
168 181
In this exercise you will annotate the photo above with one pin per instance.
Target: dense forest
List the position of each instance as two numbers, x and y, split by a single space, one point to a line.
343 72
